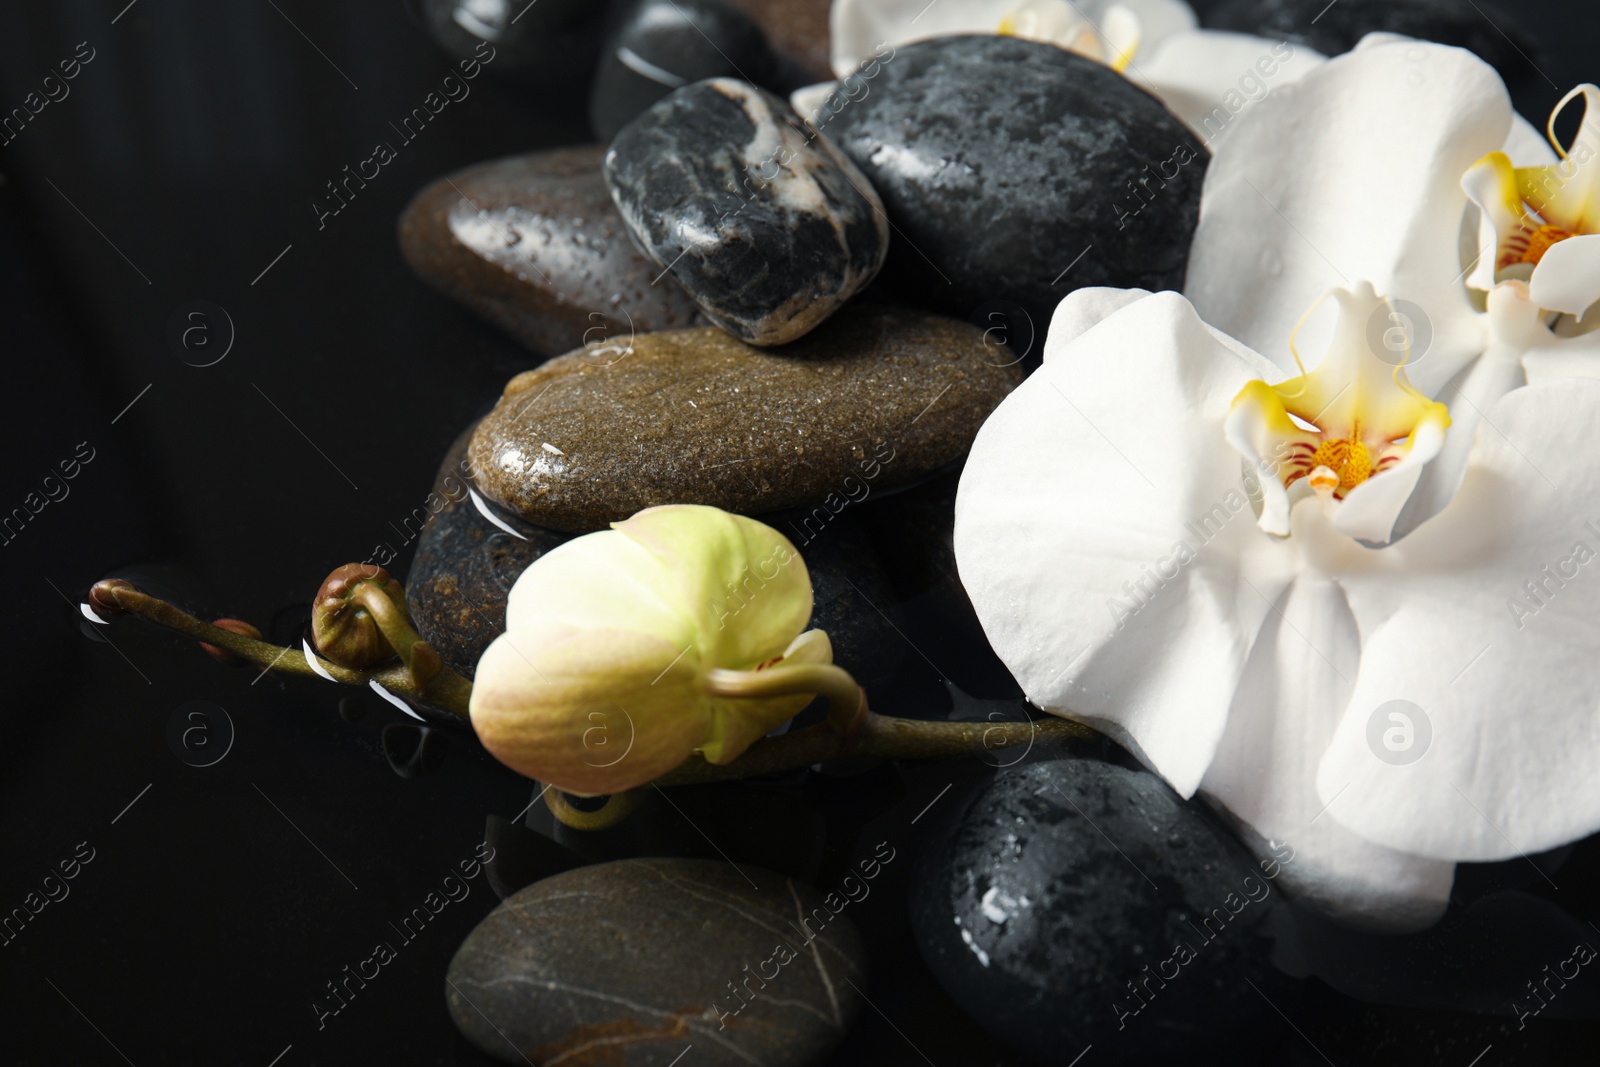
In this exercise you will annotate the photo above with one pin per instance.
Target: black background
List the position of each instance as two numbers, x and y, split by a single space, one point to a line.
184 161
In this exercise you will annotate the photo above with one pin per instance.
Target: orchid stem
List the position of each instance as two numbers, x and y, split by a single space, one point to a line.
847 700
880 736
851 730
446 690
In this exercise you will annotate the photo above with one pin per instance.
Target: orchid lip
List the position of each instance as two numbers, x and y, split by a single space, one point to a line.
1526 212
1339 428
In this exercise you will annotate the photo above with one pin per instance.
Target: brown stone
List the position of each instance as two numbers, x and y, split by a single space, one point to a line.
872 398
629 963
797 30
534 244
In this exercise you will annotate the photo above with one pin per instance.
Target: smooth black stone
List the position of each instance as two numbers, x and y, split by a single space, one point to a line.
1001 162
848 585
465 566
545 43
769 228
1060 883
1479 26
630 963
662 45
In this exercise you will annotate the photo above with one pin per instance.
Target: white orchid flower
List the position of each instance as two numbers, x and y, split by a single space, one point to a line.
1358 172
1199 74
1542 223
1164 538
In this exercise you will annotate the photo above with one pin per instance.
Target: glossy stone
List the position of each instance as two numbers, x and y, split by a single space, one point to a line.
465 566
635 961
876 397
662 45
550 42
1080 902
849 592
768 227
1332 29
1016 171
534 244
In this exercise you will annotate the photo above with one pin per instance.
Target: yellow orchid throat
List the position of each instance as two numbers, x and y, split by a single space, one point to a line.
1528 211
1337 428
1112 41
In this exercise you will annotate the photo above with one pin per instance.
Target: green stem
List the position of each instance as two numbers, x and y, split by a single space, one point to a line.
850 731
847 699
446 691
880 736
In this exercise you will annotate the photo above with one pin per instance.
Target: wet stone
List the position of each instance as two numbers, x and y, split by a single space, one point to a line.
1016 171
1080 902
662 45
767 226
798 32
632 962
880 395
465 566
534 244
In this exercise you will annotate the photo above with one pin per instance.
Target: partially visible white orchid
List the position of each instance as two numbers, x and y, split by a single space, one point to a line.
1199 74
1542 223
1362 171
1167 538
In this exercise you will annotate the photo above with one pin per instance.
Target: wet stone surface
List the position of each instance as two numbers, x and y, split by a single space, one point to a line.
1016 171
1080 902
767 226
632 962
534 244
877 396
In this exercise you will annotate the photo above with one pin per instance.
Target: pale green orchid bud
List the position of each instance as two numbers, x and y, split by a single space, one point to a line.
622 648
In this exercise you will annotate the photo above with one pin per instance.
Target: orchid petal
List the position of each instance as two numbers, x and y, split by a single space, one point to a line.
1567 277
741 581
1503 222
1515 327
1485 623
1351 173
1259 426
1370 509
1083 309
1210 78
1098 518
1289 701
858 26
568 705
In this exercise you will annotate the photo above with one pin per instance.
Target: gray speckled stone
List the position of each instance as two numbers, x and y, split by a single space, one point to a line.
767 226
627 964
876 397
1002 161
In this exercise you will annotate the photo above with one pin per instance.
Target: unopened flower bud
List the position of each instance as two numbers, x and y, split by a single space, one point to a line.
233 626
603 679
342 627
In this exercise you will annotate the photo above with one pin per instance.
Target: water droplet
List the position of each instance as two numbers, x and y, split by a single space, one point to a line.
1415 77
1416 54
